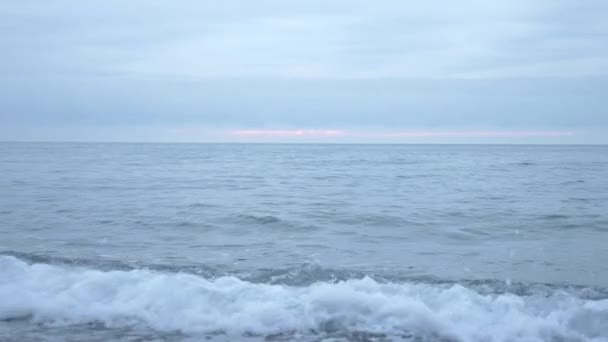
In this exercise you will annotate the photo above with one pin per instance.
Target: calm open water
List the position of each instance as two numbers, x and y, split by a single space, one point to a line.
172 242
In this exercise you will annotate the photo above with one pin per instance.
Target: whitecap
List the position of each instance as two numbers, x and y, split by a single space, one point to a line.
191 304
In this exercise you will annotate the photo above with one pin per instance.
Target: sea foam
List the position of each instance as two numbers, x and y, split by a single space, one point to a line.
190 304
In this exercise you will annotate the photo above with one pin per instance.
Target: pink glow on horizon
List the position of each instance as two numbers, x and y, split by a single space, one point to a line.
329 133
287 133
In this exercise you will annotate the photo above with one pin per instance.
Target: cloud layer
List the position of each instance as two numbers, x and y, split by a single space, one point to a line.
475 66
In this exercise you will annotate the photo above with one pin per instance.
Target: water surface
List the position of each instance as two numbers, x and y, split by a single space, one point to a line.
225 241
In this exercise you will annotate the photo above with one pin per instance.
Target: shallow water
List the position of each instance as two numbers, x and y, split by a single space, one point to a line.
308 242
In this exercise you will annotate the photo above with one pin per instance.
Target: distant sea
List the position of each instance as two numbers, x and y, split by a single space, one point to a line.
279 242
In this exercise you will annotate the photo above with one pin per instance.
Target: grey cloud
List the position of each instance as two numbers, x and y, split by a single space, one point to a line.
517 103
395 64
336 40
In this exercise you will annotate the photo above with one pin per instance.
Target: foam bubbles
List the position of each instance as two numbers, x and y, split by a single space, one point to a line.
191 304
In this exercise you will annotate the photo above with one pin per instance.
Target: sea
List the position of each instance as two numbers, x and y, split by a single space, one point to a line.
303 242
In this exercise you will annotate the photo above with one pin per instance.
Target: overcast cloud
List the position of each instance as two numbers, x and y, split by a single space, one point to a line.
382 71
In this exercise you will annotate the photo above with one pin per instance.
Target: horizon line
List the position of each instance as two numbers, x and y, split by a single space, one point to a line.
291 143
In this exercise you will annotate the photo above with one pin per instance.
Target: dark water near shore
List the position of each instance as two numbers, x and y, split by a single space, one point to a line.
308 242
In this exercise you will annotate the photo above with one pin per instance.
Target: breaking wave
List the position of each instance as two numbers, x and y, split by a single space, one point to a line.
192 304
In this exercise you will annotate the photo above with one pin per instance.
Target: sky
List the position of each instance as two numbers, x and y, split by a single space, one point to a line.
339 71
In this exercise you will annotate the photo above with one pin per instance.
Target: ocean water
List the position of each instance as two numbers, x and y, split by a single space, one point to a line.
225 242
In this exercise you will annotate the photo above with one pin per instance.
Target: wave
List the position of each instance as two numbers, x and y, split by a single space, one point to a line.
193 304
269 221
262 220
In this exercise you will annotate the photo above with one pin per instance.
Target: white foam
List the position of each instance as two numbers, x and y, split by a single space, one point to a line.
192 304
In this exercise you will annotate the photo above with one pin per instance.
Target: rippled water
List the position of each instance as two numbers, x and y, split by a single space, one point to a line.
280 242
